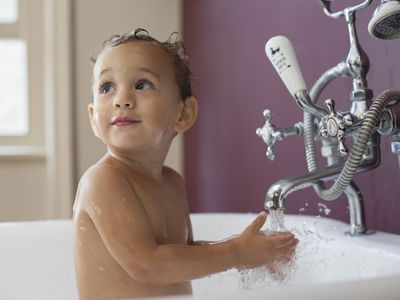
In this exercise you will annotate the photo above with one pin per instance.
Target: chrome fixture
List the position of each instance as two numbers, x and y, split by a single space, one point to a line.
365 121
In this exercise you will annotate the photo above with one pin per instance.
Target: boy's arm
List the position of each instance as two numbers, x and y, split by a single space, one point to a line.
123 226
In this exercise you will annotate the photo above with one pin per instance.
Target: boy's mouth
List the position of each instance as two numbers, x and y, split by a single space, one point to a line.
124 121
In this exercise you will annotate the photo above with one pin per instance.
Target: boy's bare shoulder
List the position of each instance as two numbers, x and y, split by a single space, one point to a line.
102 183
103 176
103 171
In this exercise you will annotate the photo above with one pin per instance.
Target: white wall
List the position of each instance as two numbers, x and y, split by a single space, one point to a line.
94 21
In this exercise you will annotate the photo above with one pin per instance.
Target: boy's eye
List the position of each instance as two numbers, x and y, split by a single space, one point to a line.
106 88
144 84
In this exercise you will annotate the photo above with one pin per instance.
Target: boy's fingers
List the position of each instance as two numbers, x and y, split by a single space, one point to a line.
283 240
286 252
259 221
289 250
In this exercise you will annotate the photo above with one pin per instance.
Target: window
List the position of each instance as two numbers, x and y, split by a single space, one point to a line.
13 76
21 74
8 11
13 94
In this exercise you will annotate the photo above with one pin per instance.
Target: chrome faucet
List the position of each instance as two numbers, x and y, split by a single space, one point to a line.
365 121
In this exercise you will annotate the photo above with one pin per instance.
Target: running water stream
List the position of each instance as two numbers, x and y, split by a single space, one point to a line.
277 220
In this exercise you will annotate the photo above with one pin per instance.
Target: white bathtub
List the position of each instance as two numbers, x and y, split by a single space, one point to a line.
36 262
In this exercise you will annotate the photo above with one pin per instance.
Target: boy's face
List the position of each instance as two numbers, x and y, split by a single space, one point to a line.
136 100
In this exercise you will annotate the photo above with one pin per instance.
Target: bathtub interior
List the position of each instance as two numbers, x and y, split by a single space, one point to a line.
37 259
326 254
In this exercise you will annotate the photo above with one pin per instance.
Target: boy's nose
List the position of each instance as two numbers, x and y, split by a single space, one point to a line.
124 101
124 104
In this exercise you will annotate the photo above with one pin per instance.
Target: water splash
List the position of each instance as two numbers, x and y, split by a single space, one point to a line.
304 208
279 273
323 208
285 272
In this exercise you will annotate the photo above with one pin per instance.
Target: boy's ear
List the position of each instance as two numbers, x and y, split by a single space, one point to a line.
187 116
92 123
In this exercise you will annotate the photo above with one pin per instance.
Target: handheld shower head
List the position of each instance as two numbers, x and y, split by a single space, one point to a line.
385 22
279 51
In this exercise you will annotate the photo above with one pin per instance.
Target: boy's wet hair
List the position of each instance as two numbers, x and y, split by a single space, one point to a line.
173 46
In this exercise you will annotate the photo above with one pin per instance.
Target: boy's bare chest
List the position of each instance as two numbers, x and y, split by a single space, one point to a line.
165 210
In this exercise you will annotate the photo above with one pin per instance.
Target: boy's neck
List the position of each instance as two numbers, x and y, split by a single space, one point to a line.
146 166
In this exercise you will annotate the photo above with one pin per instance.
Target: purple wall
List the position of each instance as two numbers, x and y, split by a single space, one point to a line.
226 168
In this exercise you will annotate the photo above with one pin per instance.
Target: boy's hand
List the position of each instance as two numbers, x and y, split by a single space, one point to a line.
256 249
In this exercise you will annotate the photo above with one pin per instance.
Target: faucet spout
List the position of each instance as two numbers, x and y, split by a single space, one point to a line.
278 192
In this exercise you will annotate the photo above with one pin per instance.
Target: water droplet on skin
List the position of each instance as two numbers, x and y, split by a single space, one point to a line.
80 244
102 269
97 210
83 228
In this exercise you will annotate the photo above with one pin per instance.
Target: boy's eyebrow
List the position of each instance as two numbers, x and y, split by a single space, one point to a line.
149 71
140 69
104 71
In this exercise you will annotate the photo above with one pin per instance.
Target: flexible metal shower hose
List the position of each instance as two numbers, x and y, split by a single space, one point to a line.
371 120
339 70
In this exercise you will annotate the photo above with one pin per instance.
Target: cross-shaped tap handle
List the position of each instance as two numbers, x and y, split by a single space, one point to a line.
334 125
270 134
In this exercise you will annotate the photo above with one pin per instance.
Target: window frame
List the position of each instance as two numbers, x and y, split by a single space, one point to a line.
29 27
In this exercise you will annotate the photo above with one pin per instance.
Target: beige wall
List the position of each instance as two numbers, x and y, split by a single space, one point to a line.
95 20
23 189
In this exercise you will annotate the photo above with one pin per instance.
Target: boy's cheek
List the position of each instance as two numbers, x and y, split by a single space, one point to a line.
94 128
97 122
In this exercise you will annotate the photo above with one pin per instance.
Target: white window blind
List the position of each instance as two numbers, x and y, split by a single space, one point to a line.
8 11
14 113
13 88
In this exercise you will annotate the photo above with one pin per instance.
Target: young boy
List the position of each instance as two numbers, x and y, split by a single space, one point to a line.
133 236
